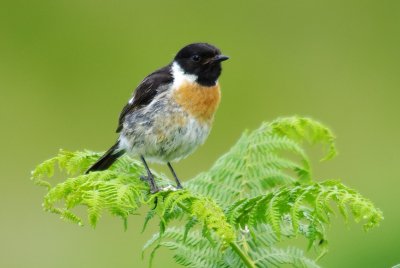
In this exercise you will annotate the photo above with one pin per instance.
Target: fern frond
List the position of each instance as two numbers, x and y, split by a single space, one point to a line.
259 161
306 204
277 257
196 251
231 216
118 190
305 129
76 162
116 193
204 210
43 170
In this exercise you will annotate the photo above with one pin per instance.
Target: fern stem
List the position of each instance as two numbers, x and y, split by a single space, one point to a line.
245 258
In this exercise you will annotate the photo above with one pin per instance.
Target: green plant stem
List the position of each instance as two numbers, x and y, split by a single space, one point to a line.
235 247
245 258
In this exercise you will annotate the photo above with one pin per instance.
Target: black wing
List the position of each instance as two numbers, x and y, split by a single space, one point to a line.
146 91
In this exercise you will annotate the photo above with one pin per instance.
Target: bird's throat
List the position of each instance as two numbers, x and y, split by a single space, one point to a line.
199 101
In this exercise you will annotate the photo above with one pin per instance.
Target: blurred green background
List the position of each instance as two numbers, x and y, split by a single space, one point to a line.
68 67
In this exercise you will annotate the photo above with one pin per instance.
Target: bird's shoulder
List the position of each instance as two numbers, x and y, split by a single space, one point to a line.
146 91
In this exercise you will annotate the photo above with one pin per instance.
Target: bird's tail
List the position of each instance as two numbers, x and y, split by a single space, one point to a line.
107 159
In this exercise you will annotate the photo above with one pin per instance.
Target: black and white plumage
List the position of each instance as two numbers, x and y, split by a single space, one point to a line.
171 111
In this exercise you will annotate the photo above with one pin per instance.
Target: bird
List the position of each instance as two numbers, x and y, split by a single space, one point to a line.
170 113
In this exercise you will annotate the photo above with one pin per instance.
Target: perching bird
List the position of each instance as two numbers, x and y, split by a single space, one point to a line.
171 111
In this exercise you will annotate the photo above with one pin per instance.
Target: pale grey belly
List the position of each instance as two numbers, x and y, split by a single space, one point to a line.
162 133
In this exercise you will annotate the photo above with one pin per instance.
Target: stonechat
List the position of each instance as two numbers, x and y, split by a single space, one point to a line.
171 111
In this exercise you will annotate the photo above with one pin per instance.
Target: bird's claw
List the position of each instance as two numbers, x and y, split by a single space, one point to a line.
153 188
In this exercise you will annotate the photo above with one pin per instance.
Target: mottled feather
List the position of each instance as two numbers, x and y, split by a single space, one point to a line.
150 87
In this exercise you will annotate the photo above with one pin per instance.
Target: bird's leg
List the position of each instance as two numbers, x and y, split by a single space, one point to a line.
178 182
149 178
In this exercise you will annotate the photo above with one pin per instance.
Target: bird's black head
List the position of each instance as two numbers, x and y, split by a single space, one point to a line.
202 60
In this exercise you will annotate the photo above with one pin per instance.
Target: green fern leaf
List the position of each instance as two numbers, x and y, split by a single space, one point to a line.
304 203
234 215
258 162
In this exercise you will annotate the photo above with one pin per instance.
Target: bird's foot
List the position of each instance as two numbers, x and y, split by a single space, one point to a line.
154 190
150 180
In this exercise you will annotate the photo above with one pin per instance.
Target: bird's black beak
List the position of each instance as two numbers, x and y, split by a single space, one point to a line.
220 58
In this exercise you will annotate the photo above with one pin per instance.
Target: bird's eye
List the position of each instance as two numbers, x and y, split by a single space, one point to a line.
196 58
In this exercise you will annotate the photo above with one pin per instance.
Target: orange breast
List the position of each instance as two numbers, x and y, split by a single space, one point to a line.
199 101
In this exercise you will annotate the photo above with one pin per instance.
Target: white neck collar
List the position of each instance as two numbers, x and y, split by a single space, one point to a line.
180 76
